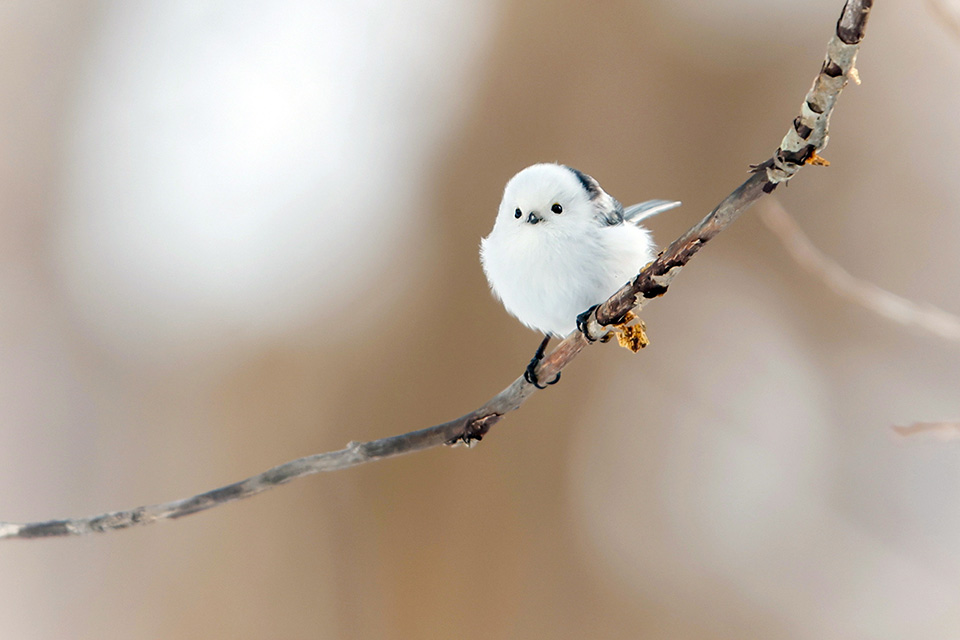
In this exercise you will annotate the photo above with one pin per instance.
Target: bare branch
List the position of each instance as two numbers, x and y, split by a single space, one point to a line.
806 137
868 295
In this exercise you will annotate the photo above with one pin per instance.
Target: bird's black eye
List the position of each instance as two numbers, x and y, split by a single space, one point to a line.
517 213
556 208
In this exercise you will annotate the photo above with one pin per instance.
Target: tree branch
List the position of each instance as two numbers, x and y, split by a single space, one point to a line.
806 137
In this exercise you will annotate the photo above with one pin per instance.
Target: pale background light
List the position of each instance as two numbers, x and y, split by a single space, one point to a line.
240 169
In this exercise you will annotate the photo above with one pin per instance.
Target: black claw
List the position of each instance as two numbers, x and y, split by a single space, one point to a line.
531 376
582 320
530 373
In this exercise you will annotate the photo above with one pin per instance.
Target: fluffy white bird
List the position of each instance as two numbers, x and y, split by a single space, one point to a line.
560 245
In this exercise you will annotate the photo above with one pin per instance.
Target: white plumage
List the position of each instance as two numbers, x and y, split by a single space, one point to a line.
561 244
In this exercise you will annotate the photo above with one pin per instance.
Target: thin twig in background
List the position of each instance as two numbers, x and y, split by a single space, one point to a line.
866 294
948 11
806 137
939 430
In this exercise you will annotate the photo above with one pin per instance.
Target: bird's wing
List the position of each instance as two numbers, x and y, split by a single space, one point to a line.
605 207
636 213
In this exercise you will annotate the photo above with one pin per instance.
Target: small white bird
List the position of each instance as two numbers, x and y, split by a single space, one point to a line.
561 245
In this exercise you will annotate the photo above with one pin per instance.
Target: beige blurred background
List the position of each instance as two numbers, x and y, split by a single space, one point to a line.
236 233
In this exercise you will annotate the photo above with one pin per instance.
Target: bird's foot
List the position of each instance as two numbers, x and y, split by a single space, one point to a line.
583 324
530 373
629 336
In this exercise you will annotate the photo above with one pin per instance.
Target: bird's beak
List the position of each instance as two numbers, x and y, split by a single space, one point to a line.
534 218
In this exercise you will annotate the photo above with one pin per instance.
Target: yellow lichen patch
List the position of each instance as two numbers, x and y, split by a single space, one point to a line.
631 336
817 161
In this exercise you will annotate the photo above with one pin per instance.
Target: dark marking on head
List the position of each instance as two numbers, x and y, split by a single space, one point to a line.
591 186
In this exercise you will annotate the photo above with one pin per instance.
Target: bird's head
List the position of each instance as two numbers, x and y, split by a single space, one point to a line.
544 196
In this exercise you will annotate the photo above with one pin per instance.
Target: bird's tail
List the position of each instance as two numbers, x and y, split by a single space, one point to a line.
639 212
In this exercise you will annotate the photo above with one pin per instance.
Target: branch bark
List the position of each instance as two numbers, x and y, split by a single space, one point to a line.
806 137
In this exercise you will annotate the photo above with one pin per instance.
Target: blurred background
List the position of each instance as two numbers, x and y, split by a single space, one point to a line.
237 233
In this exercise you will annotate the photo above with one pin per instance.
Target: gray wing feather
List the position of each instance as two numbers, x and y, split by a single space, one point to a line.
608 210
638 212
